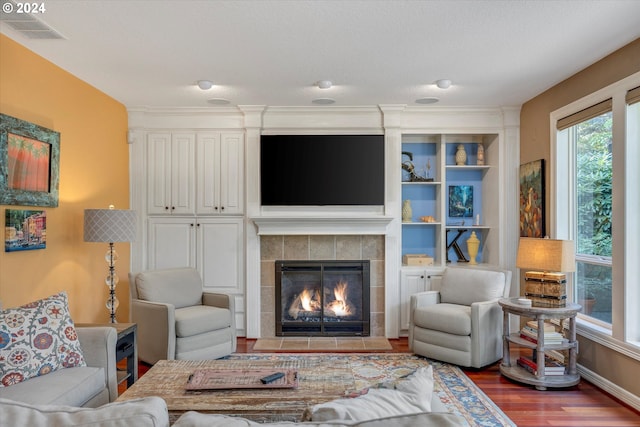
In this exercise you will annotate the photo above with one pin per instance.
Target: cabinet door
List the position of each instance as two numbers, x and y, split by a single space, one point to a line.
208 173
221 254
220 173
183 160
412 281
231 173
159 173
171 243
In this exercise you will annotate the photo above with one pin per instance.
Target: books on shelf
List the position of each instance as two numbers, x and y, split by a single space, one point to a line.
550 338
551 367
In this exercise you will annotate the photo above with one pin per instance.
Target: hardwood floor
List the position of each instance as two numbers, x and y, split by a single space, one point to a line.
582 405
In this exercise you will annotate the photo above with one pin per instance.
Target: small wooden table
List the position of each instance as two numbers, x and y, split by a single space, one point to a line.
510 369
126 348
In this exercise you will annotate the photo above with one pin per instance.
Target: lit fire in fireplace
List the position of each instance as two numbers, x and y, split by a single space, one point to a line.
340 306
308 303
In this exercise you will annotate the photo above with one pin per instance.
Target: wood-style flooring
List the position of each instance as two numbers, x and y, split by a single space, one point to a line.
583 405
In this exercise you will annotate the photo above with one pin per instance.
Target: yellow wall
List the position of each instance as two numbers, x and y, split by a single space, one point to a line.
535 144
94 173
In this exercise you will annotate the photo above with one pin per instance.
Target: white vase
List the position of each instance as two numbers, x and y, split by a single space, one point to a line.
461 155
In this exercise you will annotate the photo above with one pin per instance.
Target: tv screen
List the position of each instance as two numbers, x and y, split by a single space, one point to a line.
321 170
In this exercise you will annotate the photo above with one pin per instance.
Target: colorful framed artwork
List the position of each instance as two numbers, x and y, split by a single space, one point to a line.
532 210
461 201
25 230
29 163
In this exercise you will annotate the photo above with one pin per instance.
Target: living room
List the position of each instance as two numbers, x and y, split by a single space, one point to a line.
63 101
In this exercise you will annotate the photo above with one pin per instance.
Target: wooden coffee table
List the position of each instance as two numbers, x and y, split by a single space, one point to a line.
168 379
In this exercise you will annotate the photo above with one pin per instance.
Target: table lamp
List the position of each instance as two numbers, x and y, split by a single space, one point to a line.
110 225
547 260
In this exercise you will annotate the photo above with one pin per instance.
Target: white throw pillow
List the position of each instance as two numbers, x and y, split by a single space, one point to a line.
408 397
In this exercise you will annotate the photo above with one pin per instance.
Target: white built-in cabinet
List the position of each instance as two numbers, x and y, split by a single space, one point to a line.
195 205
220 160
171 173
449 199
213 245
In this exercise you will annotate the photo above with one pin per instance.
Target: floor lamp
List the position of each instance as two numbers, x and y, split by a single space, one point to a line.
110 226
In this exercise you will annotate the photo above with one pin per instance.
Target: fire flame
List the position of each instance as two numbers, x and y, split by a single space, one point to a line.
340 306
308 302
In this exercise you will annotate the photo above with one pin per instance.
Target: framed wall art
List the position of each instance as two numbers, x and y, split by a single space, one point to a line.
29 163
461 201
25 230
532 212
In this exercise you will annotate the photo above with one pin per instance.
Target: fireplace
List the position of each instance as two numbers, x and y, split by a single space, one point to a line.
322 298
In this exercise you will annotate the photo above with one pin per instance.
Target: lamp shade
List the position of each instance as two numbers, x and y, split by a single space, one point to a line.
109 225
546 255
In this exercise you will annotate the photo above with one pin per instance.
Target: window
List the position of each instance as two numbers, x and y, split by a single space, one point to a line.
595 197
589 136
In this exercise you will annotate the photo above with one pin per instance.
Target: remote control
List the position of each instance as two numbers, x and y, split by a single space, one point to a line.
271 378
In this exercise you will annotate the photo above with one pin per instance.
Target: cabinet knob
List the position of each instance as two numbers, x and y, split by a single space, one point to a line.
222 208
422 277
215 208
166 208
173 207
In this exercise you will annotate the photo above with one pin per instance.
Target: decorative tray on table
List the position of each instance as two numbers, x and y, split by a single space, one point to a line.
226 379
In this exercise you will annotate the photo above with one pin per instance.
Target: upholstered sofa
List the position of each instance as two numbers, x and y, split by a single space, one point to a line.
87 386
407 402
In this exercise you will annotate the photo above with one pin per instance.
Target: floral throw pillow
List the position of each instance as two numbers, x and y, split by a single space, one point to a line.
36 339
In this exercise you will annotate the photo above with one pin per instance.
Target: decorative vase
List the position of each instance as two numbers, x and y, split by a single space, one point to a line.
461 155
407 212
480 154
473 243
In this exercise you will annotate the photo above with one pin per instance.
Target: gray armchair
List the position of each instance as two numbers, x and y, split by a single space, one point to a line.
462 322
177 320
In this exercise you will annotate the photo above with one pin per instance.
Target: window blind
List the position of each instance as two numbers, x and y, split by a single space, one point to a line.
633 96
586 114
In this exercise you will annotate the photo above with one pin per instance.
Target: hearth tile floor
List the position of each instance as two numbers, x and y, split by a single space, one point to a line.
323 344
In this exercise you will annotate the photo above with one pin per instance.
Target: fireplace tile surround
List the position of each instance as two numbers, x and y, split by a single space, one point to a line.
321 247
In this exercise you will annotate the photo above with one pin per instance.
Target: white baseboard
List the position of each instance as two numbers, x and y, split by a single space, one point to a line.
611 388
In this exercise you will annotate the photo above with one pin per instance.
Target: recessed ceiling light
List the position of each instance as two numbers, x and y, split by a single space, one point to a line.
205 84
443 83
427 100
218 101
323 101
324 84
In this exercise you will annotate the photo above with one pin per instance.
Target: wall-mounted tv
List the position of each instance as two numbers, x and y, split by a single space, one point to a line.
321 170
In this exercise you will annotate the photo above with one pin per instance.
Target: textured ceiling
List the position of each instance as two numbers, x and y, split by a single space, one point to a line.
497 53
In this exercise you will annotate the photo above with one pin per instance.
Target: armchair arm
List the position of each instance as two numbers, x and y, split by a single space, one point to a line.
486 332
156 330
99 350
420 299
223 301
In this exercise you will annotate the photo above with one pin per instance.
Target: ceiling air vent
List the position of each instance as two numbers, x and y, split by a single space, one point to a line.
25 23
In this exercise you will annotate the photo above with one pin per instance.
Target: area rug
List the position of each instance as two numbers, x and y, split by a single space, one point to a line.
333 375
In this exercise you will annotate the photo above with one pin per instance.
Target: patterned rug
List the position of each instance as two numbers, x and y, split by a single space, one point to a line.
337 374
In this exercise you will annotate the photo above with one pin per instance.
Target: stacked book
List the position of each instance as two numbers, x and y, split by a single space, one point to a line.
530 333
551 368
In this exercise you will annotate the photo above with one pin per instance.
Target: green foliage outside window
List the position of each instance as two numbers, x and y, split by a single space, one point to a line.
594 204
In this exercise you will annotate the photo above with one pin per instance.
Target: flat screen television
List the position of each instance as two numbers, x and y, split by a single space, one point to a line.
321 170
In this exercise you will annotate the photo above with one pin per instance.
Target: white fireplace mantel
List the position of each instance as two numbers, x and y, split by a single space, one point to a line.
316 225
